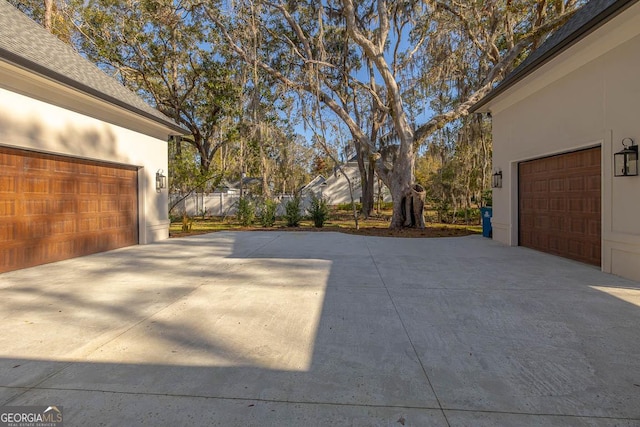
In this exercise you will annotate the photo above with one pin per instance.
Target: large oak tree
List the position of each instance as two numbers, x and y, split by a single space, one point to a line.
158 49
376 64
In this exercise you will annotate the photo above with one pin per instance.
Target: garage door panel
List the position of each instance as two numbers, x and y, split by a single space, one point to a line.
125 221
37 164
557 204
7 208
541 221
63 186
557 245
539 240
578 226
593 183
35 185
7 233
107 172
576 205
540 186
107 222
591 206
126 205
88 224
109 189
8 183
578 249
560 207
556 185
8 161
576 184
89 206
36 207
539 167
64 226
556 223
8 259
542 204
65 167
88 188
35 229
53 208
87 169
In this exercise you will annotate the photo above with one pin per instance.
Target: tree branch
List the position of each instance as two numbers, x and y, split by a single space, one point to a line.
497 72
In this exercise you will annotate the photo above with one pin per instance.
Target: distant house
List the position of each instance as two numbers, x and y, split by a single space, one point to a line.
82 158
335 188
314 187
558 120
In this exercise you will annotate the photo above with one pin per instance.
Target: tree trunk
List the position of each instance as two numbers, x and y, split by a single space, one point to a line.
367 179
401 179
371 181
413 207
408 208
201 145
264 166
397 218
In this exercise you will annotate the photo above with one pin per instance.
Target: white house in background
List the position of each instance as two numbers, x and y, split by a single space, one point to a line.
335 188
558 120
79 153
314 187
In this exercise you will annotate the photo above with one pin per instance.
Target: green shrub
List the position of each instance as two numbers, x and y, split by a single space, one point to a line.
470 214
385 205
246 212
187 223
445 213
268 213
487 197
348 207
292 212
318 211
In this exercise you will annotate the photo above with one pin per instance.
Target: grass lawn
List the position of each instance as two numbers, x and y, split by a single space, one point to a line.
339 221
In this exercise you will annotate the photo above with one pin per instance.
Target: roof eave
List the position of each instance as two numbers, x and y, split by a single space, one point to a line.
519 74
49 74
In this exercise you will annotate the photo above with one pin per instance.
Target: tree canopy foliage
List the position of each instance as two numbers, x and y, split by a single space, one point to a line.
381 66
399 77
158 49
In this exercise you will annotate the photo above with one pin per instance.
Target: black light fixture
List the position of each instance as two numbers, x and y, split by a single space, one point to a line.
497 180
161 180
625 162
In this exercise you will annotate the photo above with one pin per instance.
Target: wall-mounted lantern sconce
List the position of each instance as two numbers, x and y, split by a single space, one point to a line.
625 162
497 180
161 180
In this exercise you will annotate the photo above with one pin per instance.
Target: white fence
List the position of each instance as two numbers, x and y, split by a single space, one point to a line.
199 204
218 204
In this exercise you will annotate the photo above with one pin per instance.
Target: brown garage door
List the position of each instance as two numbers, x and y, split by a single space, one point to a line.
53 208
559 200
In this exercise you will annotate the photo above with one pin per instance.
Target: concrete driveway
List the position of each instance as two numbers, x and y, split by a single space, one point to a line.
318 329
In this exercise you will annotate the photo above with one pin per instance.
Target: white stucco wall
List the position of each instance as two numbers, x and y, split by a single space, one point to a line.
588 96
336 187
116 136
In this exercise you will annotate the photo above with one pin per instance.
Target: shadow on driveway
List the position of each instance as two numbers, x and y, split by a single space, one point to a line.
297 328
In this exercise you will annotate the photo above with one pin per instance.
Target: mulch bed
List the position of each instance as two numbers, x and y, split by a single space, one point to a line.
429 231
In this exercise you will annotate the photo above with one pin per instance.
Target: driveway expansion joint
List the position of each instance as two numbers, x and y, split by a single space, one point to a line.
406 331
241 399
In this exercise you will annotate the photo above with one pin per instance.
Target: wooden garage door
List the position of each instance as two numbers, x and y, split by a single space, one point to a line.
53 208
560 205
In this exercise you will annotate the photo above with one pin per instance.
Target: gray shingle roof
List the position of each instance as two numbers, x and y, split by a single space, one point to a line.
26 44
587 19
